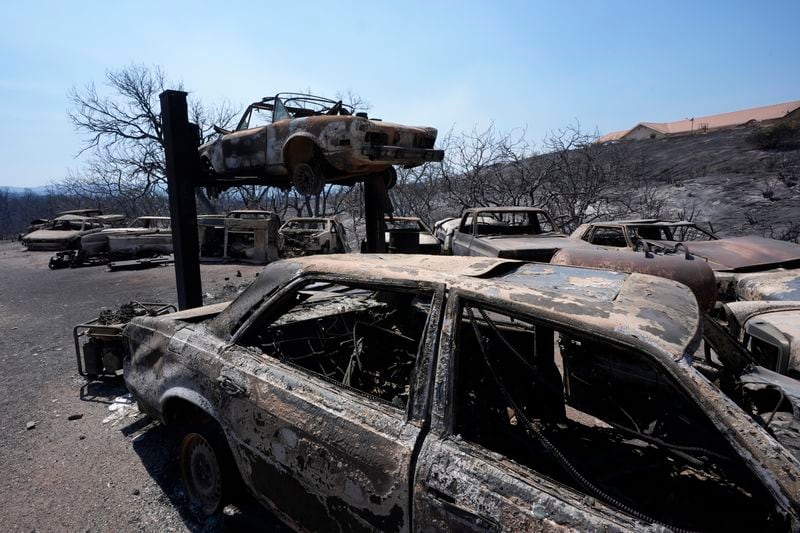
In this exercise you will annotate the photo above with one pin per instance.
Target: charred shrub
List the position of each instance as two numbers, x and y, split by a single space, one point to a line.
778 136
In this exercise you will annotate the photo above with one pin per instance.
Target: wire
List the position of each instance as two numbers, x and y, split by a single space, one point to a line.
550 447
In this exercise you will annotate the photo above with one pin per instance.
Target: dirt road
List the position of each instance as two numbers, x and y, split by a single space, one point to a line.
88 463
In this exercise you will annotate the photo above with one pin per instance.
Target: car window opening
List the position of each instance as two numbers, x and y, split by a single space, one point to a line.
603 420
362 339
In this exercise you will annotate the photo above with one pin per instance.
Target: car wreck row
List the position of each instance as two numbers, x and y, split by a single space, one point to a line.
415 392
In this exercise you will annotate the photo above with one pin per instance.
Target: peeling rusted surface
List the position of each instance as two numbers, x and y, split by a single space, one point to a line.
327 456
695 273
782 285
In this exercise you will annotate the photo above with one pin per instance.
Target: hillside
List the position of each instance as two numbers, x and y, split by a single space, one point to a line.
731 183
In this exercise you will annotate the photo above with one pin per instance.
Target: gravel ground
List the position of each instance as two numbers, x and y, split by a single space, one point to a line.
90 461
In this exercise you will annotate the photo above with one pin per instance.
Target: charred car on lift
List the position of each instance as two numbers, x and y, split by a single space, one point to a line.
404 393
308 141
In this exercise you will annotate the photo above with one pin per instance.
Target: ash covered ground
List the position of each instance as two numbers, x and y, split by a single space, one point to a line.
89 463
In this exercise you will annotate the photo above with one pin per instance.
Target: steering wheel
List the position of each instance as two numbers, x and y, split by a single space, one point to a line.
337 107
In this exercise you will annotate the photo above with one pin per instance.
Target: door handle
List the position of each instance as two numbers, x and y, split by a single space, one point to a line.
231 386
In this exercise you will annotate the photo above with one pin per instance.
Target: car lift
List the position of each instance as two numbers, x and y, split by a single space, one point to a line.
184 175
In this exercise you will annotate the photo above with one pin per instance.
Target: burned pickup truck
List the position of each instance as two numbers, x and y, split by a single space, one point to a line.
403 393
307 141
525 233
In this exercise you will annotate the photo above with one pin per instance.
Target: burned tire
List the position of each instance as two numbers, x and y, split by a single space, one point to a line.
307 180
208 471
390 177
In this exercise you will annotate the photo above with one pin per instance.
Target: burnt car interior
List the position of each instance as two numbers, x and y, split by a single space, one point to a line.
290 105
509 223
602 419
364 339
724 361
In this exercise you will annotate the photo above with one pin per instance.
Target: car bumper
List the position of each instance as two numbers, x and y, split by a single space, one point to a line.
401 154
45 246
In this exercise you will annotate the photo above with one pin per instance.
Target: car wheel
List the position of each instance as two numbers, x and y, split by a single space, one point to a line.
307 180
390 177
202 466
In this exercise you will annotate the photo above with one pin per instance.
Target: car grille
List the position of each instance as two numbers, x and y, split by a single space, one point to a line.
424 142
376 138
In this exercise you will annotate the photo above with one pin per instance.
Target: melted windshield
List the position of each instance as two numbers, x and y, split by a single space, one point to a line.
67 225
306 224
672 232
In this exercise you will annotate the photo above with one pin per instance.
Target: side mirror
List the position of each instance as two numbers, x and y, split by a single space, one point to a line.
221 131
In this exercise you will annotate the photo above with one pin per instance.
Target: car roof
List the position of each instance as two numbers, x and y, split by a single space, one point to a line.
154 218
74 217
411 219
504 209
308 219
651 221
615 303
81 211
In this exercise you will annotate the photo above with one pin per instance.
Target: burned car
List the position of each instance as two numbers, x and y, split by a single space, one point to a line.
62 233
525 233
308 141
148 236
247 235
313 235
410 235
729 257
401 393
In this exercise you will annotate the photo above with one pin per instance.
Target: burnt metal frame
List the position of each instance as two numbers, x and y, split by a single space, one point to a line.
184 175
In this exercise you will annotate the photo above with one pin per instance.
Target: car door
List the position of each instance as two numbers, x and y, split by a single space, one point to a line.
462 236
532 434
326 455
246 148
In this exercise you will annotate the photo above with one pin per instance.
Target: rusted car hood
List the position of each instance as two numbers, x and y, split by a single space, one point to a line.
394 126
529 242
745 253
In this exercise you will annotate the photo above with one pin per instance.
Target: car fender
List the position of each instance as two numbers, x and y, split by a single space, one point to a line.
189 395
296 148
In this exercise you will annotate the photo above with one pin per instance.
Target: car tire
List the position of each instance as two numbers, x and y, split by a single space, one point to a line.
307 180
208 472
390 177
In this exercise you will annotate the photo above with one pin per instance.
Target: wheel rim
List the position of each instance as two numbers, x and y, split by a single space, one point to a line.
201 474
307 181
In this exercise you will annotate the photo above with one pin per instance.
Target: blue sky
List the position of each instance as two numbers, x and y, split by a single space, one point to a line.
539 65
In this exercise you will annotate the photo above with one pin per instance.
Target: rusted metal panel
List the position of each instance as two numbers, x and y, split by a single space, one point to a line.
694 273
780 285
